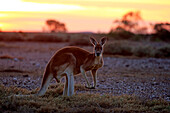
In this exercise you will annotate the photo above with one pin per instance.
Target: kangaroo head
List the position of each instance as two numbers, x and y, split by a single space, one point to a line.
98 47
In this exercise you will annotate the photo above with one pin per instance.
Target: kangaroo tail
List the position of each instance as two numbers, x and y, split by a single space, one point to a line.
45 82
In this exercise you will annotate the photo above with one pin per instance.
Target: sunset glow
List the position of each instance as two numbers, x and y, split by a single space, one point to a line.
78 15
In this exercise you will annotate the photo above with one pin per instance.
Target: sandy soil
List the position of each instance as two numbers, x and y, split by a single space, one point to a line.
147 78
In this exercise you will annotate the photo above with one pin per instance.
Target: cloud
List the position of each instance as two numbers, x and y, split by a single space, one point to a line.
144 4
18 5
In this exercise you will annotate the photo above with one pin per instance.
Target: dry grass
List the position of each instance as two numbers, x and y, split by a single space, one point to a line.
118 48
2 45
47 38
6 45
6 56
141 48
52 101
11 37
34 37
163 51
80 42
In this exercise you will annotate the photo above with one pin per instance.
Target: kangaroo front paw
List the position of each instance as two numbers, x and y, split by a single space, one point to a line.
93 87
89 87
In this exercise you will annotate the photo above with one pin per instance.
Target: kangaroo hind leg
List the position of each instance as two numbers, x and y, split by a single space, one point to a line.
65 87
69 84
70 91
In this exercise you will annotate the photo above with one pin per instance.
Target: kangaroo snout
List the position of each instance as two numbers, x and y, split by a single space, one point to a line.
98 54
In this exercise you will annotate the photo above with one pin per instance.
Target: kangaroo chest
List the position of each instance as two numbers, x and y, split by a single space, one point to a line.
95 63
98 62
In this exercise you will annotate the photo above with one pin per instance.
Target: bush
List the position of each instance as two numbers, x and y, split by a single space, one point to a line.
47 38
118 49
127 48
163 51
122 35
6 37
142 51
80 42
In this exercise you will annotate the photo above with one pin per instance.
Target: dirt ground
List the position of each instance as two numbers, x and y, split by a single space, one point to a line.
22 64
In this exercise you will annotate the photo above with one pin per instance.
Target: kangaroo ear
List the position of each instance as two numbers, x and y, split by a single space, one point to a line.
103 40
93 41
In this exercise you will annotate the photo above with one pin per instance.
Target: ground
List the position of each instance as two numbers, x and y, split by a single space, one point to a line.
22 65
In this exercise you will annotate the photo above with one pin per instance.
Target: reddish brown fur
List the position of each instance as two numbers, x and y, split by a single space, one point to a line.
73 60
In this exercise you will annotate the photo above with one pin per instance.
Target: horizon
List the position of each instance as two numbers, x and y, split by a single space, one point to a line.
78 16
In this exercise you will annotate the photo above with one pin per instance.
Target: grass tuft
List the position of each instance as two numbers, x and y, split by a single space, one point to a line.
53 101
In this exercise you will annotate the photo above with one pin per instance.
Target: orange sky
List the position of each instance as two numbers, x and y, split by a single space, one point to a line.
78 15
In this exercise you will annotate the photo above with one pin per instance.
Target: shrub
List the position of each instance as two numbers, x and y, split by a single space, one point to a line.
6 37
118 49
46 38
80 42
122 35
163 51
128 48
142 51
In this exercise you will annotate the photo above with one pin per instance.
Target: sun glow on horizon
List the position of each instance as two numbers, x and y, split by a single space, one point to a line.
1 25
84 15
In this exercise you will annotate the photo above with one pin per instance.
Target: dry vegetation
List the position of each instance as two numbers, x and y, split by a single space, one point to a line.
139 49
115 77
78 42
124 47
52 101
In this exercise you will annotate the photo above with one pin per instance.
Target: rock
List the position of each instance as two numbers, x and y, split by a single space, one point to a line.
14 79
127 65
25 75
160 67
155 83
16 59
37 65
25 83
11 66
102 80
33 63
5 82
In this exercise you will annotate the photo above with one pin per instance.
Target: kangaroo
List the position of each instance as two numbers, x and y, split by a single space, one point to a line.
70 61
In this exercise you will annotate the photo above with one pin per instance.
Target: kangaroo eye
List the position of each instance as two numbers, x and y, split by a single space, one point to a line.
96 48
100 48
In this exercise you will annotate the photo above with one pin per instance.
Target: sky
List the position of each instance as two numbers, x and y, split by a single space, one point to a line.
78 15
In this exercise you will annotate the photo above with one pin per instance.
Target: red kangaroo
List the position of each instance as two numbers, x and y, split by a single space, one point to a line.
70 61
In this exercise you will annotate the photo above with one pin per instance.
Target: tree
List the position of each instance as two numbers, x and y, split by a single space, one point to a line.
55 26
132 22
162 31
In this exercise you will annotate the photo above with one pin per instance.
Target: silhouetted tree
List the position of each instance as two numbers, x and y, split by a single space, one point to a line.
55 26
132 22
162 31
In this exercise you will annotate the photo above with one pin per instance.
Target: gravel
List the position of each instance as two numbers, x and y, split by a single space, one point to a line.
147 78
